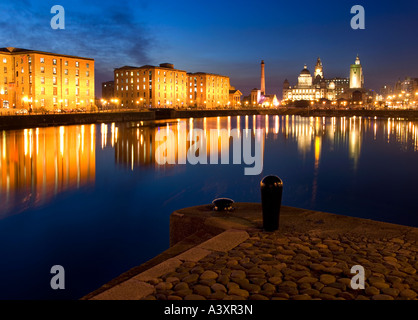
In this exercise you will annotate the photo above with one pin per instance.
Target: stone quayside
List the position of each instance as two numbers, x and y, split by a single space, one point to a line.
310 257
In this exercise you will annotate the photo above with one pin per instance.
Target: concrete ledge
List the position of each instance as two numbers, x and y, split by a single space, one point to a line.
128 290
225 241
136 288
194 254
158 270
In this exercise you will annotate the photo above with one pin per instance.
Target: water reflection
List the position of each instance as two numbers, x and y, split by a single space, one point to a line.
37 164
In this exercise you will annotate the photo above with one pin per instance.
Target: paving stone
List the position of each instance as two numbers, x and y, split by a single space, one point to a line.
218 287
327 279
311 292
391 291
346 295
202 290
372 291
217 295
239 274
307 280
258 281
239 292
275 280
183 293
190 278
269 287
330 290
207 275
164 286
181 286
208 282
409 294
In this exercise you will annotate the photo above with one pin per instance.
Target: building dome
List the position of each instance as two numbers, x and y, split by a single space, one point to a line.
305 71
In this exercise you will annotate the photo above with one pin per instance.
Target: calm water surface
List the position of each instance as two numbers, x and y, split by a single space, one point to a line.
93 198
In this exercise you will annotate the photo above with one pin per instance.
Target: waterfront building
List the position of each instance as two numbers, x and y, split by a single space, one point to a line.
309 88
235 97
340 85
403 95
208 90
317 87
108 90
150 86
32 79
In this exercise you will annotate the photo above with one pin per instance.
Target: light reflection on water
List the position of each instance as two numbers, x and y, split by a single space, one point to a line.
37 164
98 193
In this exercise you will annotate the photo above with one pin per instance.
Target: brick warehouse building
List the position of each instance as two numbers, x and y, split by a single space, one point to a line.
31 79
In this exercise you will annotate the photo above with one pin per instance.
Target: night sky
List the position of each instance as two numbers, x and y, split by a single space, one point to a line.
224 37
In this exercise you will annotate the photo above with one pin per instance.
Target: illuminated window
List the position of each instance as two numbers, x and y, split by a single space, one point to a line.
4 60
54 80
42 90
42 80
54 70
66 63
66 81
77 72
77 64
87 73
54 62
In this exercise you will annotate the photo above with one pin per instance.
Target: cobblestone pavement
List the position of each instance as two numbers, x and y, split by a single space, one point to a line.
296 266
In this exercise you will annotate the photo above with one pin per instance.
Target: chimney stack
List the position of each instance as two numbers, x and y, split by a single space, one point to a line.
263 79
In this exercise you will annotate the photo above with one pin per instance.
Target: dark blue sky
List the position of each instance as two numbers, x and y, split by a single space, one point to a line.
225 37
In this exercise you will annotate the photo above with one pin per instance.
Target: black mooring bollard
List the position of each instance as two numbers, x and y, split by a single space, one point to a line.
271 201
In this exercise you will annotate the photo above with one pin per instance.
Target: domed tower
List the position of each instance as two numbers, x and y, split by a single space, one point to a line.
356 75
305 78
